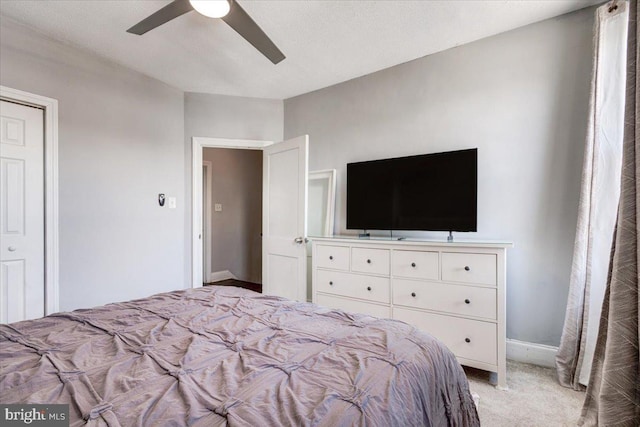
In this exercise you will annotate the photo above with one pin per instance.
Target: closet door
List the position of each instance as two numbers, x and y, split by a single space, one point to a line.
21 212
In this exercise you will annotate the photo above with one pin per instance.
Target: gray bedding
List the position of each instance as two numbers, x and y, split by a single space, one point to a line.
227 356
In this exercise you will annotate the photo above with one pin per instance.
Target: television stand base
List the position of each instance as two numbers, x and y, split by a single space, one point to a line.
364 235
450 237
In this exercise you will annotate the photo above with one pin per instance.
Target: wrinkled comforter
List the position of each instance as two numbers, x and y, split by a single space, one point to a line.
227 356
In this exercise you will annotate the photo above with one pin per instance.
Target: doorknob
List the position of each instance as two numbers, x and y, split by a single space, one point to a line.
301 240
12 248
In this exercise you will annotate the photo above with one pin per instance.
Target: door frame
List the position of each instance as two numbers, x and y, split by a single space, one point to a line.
51 219
207 168
197 146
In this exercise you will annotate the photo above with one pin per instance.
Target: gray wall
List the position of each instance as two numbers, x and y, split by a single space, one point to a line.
236 244
521 97
220 116
121 142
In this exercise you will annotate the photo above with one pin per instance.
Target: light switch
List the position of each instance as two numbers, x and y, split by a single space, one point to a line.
217 207
172 202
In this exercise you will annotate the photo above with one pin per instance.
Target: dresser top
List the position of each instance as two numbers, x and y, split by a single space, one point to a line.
413 241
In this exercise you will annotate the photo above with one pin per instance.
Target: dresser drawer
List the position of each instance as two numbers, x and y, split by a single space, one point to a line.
454 332
353 306
469 268
336 257
353 285
414 264
373 261
455 299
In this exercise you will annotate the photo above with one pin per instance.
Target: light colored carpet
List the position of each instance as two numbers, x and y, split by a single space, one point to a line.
534 398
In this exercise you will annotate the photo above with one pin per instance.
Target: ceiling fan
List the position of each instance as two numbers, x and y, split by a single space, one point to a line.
227 10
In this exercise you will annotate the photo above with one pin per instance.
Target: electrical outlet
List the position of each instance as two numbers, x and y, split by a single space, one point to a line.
217 207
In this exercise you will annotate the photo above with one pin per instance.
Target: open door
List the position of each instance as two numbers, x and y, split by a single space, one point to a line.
284 218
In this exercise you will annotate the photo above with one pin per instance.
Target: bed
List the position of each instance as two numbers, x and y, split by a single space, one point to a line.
221 355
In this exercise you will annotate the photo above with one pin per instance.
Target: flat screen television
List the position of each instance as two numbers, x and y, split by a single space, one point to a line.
430 192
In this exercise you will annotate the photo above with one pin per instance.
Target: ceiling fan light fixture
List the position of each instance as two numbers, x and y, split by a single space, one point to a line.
211 8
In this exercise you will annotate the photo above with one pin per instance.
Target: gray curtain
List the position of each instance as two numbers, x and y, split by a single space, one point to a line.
599 197
613 393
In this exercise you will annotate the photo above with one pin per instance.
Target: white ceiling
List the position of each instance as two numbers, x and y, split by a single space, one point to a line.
325 41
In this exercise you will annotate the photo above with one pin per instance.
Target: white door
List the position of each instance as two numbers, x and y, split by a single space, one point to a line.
21 212
284 219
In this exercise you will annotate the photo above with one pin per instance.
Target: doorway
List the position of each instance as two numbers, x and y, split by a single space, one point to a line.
199 144
232 217
284 222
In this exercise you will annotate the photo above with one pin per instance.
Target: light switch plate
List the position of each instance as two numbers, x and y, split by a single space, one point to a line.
172 202
217 207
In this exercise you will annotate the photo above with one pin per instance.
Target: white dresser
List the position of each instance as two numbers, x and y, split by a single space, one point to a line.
454 291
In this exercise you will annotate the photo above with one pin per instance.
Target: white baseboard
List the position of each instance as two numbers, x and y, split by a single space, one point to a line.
217 276
528 352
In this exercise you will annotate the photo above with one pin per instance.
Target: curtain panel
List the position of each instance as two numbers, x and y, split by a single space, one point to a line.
599 197
613 393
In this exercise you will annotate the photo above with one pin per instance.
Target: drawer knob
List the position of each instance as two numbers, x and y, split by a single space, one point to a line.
413 294
466 268
330 283
413 264
467 301
330 256
368 261
368 288
467 340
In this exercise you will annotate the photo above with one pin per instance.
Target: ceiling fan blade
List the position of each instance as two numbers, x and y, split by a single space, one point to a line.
240 21
164 15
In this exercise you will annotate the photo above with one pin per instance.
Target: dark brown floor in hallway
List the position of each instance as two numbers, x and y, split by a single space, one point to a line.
256 287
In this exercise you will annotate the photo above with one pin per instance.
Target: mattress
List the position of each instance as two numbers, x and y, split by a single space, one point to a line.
225 356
